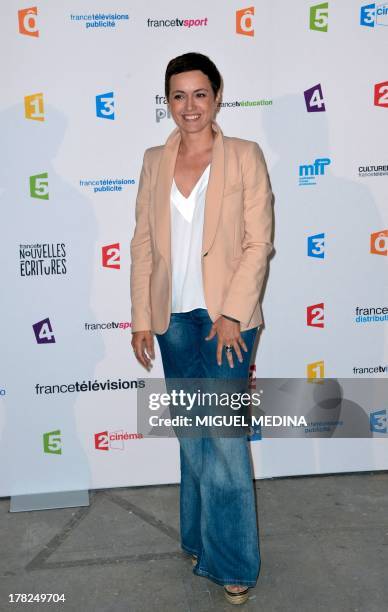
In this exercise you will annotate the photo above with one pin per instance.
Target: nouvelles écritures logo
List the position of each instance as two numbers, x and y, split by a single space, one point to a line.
47 259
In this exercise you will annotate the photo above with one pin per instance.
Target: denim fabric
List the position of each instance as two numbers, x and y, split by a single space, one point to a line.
217 504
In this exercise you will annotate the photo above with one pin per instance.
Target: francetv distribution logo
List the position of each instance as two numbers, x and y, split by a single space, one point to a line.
308 173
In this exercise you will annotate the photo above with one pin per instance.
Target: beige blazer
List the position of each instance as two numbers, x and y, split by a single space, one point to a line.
236 234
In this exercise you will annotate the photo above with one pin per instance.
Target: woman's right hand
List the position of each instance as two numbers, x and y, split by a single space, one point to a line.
143 347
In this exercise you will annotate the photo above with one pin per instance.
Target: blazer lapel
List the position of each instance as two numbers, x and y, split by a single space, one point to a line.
213 200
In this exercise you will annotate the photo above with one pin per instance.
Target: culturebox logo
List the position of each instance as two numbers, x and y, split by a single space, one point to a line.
177 22
105 106
316 245
48 259
308 173
110 325
378 421
381 94
372 15
114 440
34 107
39 186
99 20
313 98
371 314
315 315
111 256
244 21
364 171
43 331
379 243
28 21
319 17
52 442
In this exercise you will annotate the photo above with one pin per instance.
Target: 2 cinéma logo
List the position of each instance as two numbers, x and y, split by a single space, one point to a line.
114 440
316 246
244 21
44 332
28 21
315 315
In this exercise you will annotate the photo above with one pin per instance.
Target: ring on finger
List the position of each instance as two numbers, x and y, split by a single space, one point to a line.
228 348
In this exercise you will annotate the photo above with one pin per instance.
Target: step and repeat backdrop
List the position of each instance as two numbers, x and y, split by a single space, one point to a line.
84 98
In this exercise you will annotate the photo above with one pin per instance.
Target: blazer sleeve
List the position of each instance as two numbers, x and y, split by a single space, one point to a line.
141 255
246 285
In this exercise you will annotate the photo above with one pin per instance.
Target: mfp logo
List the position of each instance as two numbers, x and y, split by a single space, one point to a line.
309 172
381 94
314 99
39 186
316 246
114 440
319 17
315 315
244 21
28 21
33 107
111 256
372 15
105 106
52 442
379 243
378 421
44 332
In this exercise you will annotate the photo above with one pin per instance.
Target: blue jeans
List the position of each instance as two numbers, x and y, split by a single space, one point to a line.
217 504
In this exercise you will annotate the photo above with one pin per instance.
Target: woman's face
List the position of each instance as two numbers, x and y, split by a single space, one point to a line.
192 102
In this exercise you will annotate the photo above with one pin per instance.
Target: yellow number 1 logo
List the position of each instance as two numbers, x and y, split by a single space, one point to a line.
33 106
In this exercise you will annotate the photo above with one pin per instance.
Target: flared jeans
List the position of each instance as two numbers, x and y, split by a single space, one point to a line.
218 521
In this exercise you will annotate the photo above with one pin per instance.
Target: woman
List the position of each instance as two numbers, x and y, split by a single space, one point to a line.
199 256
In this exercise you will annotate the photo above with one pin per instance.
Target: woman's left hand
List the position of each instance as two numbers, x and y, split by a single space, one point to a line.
228 333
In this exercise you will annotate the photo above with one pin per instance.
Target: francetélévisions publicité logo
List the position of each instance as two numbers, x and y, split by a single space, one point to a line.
42 259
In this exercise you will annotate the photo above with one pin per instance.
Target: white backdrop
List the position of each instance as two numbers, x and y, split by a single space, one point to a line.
65 233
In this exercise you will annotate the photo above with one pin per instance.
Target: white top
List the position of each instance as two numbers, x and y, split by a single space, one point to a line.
187 218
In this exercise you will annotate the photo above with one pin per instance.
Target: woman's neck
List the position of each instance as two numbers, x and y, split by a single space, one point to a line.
199 142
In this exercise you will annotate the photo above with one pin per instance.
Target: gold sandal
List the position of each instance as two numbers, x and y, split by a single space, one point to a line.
194 559
236 597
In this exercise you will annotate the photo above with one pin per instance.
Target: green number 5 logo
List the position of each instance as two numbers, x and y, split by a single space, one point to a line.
39 186
319 17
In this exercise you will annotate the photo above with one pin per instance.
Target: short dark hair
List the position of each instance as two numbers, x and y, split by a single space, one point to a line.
193 61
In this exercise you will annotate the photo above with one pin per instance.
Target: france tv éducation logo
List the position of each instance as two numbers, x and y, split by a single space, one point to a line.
372 15
308 173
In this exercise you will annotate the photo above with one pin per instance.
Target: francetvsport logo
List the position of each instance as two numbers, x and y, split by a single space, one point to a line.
108 325
177 22
47 259
28 21
114 440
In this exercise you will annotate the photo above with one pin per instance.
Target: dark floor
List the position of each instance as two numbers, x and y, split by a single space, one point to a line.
324 547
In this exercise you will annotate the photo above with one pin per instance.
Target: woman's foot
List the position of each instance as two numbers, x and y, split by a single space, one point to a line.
194 559
236 594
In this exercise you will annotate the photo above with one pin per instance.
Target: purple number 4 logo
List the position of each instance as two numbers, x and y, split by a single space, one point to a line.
44 332
314 99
